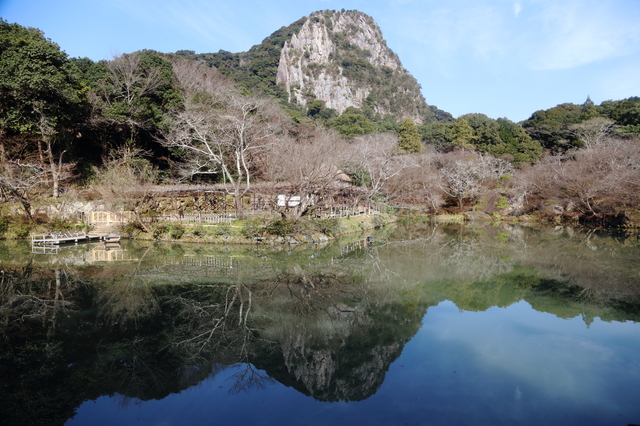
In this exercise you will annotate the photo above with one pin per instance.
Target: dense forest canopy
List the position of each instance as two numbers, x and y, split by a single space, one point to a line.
256 69
62 119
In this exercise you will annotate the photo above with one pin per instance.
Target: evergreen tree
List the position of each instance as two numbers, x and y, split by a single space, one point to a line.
486 137
315 107
40 97
38 90
352 123
409 139
462 133
589 110
518 143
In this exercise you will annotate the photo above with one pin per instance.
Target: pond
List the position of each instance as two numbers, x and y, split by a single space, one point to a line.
428 325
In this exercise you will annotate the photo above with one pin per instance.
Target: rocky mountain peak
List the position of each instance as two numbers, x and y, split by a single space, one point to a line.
342 59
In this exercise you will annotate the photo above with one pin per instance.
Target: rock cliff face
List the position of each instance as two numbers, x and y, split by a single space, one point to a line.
342 59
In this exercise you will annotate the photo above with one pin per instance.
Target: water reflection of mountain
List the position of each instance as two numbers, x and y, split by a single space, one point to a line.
327 323
336 342
317 333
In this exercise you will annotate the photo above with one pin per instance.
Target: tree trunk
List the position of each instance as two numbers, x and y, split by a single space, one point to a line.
140 222
55 175
237 195
26 205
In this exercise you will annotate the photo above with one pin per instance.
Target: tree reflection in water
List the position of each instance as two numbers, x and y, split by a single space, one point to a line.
28 294
327 323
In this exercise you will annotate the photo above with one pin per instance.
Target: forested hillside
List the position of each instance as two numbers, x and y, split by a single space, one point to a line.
325 63
72 125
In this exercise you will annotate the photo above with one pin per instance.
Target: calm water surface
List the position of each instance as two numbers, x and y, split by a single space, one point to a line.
430 326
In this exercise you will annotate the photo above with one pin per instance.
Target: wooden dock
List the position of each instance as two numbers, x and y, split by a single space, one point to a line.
63 237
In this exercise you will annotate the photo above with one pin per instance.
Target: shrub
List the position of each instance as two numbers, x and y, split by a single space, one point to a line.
329 227
282 227
4 225
20 231
379 222
252 228
502 203
132 228
177 232
222 229
81 227
158 230
59 224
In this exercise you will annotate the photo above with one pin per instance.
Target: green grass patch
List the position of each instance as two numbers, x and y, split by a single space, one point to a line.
449 218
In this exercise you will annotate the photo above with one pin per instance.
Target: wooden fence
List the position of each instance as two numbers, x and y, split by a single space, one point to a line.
347 211
199 218
122 217
97 217
210 261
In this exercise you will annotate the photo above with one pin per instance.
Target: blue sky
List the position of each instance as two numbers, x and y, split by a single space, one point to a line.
503 58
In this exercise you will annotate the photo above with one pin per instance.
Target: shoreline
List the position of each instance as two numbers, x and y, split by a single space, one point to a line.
267 229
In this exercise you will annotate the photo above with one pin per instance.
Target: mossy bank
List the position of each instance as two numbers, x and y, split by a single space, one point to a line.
261 229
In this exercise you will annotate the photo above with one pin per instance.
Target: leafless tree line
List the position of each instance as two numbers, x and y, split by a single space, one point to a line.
593 180
243 139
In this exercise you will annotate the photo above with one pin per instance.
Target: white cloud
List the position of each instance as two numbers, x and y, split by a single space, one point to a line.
571 34
451 28
517 8
536 34
532 348
208 22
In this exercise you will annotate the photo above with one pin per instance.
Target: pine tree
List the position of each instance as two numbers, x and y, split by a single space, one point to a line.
409 137
589 110
462 133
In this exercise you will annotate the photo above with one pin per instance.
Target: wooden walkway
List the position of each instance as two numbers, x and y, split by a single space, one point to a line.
63 237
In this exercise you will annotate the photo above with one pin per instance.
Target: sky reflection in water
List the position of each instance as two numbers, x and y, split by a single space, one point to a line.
502 366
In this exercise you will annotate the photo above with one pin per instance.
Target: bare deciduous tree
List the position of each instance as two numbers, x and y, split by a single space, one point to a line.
606 174
467 177
220 129
420 184
592 132
35 294
124 104
126 181
374 160
126 83
20 176
304 168
58 171
129 80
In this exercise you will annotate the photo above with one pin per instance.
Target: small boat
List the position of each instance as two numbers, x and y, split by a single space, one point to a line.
111 238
